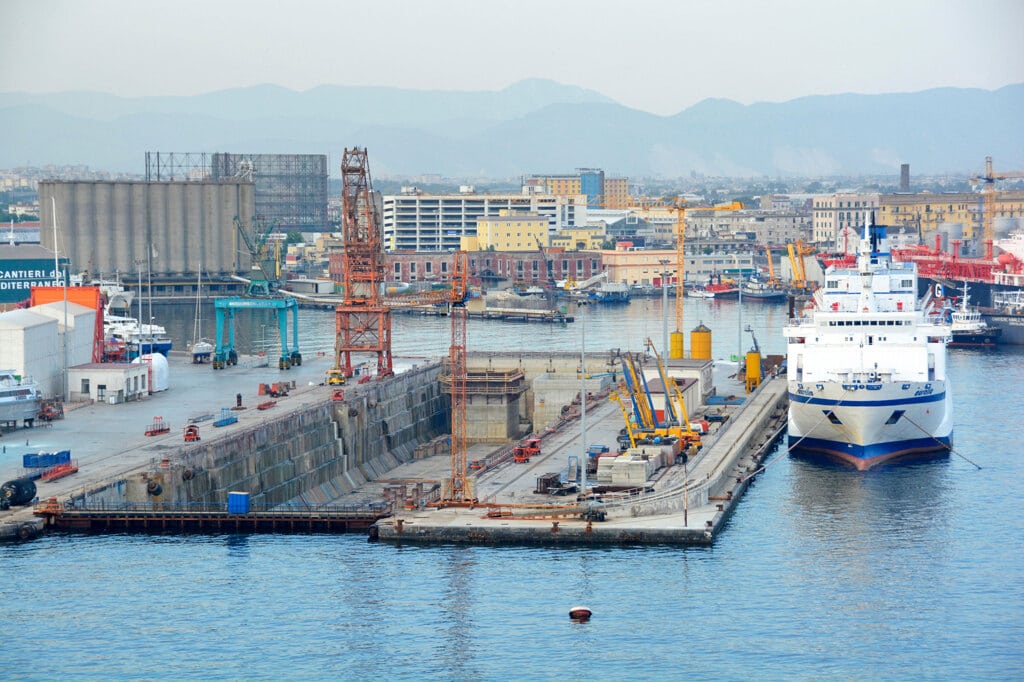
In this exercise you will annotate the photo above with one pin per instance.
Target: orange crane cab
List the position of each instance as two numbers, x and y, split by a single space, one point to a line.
525 450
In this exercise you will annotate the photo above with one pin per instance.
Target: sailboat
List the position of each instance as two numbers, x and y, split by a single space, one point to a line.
200 348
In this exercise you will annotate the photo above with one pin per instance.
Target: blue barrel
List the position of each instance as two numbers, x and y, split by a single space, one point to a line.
238 503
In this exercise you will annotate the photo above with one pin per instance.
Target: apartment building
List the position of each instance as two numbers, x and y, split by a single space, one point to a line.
413 221
839 217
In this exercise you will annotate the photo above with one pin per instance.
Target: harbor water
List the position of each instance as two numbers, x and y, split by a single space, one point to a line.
905 572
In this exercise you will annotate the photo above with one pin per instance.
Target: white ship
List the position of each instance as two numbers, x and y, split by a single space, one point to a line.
866 366
19 398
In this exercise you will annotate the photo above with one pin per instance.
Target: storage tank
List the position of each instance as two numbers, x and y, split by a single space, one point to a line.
700 343
753 370
160 372
675 345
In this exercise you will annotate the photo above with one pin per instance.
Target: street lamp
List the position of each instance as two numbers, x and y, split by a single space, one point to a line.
583 402
263 345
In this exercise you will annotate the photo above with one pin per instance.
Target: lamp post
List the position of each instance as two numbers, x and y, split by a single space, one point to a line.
664 321
263 346
583 403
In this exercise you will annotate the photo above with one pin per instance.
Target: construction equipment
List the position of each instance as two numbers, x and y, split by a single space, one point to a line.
773 281
797 253
51 409
264 279
525 450
676 347
335 376
988 200
192 434
677 420
549 269
158 427
362 321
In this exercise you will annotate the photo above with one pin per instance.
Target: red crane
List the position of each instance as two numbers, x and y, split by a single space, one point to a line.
362 321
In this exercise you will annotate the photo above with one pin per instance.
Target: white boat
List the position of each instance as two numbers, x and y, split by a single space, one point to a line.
968 327
200 348
866 365
19 398
1013 244
140 339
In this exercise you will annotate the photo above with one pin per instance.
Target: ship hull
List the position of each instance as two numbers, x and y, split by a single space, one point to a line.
864 429
1012 327
18 410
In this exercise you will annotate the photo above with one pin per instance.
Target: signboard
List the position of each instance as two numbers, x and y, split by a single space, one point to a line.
17 277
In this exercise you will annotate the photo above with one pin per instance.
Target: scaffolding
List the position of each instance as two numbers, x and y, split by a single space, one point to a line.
290 189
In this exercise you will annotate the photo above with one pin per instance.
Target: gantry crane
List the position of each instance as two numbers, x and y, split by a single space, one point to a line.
988 200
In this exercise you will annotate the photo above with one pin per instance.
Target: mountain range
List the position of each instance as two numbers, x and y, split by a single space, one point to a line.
534 126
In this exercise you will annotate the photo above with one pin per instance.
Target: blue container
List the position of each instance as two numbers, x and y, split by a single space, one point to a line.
238 503
30 461
63 457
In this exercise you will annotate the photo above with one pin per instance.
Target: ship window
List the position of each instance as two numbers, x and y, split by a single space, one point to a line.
832 417
894 417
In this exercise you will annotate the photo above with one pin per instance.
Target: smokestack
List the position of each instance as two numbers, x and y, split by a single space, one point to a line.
905 177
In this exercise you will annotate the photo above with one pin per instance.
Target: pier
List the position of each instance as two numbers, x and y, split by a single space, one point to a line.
373 462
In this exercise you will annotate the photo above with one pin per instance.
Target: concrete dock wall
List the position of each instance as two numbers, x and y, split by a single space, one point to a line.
311 453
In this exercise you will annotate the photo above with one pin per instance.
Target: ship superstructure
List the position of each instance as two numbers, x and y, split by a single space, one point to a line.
866 366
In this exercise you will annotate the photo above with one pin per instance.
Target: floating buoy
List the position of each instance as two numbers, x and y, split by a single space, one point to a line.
580 614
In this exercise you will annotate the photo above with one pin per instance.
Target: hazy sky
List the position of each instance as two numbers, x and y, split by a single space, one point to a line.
656 55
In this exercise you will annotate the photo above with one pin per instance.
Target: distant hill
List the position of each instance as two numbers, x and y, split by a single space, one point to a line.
535 126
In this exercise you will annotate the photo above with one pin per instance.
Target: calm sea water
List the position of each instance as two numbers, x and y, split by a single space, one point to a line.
906 572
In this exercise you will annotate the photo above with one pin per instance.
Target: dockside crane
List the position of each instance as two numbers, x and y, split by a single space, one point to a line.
988 200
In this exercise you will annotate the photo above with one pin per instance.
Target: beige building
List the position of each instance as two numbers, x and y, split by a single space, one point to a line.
640 267
925 212
579 238
839 217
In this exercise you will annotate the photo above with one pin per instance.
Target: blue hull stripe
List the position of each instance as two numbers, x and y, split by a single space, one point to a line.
867 455
933 398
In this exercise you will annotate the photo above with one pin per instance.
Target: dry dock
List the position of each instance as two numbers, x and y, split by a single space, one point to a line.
689 504
315 464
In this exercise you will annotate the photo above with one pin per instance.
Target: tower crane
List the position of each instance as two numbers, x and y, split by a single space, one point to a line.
988 200
676 345
457 489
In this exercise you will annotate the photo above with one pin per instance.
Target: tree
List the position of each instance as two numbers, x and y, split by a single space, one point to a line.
295 237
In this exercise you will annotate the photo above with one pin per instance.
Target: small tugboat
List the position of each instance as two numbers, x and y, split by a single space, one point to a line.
969 329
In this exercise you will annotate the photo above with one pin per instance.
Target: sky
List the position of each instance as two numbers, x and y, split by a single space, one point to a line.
659 56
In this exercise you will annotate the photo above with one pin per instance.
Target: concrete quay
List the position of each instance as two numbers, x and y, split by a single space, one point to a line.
689 505
306 449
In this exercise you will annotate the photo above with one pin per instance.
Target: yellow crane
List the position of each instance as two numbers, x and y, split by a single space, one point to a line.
988 199
796 261
772 280
676 349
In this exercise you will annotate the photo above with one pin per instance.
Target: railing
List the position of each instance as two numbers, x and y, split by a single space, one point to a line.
374 508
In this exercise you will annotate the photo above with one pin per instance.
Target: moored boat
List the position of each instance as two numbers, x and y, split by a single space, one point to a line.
19 398
756 290
866 365
968 327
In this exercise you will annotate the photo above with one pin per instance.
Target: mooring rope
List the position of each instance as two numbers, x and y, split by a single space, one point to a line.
947 446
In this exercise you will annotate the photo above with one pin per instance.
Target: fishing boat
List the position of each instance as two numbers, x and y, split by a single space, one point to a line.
19 398
715 288
866 364
200 348
968 327
758 290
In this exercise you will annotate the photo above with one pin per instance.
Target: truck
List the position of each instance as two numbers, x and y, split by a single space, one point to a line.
525 450
335 377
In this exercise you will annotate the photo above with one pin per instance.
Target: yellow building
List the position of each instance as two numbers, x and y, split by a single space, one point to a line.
579 238
511 232
925 212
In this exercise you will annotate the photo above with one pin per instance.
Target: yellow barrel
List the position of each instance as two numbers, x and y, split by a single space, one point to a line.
675 345
700 343
753 370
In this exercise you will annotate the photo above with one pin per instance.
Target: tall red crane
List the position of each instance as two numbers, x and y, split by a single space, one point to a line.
362 321
457 489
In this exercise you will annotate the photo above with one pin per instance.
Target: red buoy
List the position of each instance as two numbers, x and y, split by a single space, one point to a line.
580 614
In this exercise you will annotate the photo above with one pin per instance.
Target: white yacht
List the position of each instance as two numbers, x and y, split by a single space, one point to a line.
866 364
19 398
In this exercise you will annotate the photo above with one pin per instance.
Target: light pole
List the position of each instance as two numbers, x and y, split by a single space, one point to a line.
263 346
583 403
664 321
